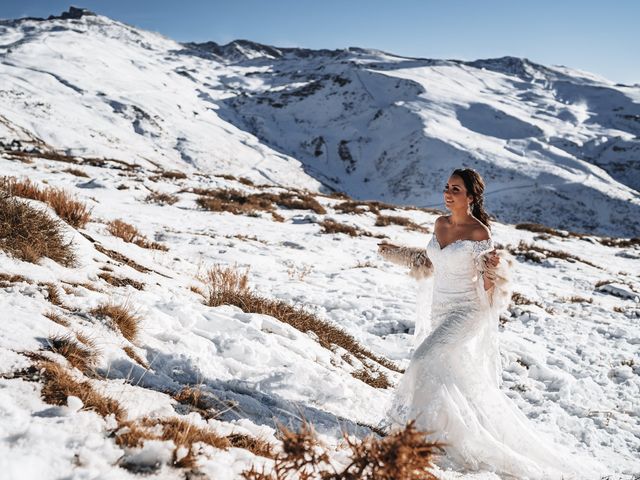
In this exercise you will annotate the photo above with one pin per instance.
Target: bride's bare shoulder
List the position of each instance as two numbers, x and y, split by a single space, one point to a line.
480 232
441 219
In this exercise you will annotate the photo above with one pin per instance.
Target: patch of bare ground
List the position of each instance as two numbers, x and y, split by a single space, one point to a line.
72 211
122 317
130 234
30 234
405 454
230 286
77 172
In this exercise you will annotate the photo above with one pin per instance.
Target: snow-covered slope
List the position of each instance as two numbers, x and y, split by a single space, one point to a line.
125 106
569 346
556 145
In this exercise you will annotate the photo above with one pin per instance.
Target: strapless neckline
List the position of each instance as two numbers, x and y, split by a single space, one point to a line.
460 240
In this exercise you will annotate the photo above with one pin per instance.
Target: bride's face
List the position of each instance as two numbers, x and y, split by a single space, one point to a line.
455 194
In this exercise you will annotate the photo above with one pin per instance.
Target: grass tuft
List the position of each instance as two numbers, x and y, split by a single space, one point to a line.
72 211
229 286
122 317
130 234
30 234
79 356
60 384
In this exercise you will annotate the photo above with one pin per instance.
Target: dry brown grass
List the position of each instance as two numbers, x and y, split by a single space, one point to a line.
537 254
57 318
407 223
331 226
30 234
237 202
53 295
171 175
79 356
372 377
402 455
197 401
358 206
58 384
122 317
620 242
130 234
119 257
520 299
243 180
354 208
579 299
131 353
183 433
161 198
229 286
77 172
120 281
7 280
257 446
72 211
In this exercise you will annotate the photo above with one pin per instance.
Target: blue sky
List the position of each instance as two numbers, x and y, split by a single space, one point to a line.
597 36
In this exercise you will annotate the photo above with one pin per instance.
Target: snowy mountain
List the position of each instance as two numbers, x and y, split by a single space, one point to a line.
189 160
556 145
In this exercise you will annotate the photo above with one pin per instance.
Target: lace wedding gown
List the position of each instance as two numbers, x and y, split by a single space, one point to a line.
451 387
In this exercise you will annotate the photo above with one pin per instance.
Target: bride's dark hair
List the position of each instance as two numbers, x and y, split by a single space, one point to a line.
475 187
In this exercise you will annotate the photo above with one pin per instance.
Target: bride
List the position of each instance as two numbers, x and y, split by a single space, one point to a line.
452 384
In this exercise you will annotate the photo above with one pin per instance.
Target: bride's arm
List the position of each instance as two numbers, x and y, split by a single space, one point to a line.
414 258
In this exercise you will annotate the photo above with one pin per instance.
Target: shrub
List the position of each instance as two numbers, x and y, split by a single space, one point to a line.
331 226
403 455
122 317
374 378
75 213
30 234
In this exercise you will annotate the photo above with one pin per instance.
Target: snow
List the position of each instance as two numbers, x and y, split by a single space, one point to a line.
94 87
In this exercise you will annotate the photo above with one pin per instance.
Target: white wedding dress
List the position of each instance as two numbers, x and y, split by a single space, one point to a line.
452 384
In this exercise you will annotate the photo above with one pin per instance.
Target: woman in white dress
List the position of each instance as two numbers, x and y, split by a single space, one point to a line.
452 384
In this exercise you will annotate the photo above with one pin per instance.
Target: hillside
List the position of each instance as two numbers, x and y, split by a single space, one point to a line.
209 284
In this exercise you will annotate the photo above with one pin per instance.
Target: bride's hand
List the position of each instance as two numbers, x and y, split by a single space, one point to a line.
494 258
